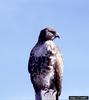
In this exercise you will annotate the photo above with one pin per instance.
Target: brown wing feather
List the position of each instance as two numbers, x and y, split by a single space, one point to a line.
58 70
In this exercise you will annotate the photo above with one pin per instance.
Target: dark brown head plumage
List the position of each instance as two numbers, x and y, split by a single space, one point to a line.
47 34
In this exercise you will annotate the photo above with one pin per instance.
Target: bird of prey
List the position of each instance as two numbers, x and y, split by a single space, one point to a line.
45 63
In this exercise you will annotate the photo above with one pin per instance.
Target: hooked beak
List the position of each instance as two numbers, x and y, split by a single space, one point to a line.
57 36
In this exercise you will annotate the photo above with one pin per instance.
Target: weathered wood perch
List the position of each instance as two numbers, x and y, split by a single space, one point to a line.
44 95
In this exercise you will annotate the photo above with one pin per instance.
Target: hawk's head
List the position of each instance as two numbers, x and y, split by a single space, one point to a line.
47 34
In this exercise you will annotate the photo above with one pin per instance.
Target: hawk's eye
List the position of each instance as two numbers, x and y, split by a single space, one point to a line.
53 32
49 34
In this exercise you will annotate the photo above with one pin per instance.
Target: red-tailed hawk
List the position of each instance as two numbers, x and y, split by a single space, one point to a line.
45 63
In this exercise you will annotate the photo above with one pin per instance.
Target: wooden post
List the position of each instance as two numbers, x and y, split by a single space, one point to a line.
44 95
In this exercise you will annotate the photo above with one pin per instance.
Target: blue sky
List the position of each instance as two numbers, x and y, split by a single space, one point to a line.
20 24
